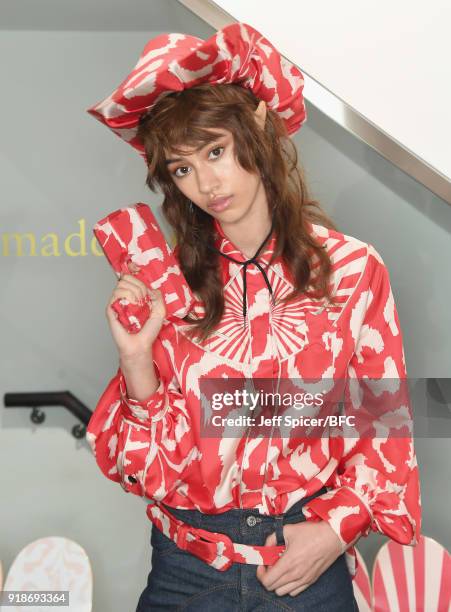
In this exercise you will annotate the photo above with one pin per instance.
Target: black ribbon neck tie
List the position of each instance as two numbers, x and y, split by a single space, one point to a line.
245 264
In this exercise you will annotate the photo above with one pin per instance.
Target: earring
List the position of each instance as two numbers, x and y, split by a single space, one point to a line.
191 207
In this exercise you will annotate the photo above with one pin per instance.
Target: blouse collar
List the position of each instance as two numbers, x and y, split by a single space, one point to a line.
228 250
227 247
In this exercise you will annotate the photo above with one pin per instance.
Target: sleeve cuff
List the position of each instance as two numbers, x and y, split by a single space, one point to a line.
152 408
344 510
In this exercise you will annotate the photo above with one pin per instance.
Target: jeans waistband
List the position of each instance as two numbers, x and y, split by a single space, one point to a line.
214 521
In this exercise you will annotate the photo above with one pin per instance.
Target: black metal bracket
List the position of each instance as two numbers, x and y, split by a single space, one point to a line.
56 398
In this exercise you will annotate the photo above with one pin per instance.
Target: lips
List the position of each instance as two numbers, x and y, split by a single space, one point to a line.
220 203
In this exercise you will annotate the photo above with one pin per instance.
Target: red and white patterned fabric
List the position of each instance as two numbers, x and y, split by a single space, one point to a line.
173 62
132 235
155 450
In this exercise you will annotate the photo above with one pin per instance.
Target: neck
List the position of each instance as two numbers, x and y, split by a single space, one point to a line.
248 234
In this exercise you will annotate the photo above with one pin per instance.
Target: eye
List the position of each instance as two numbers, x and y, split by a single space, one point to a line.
216 149
179 168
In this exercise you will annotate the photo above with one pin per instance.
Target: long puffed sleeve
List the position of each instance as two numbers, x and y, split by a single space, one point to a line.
146 446
376 483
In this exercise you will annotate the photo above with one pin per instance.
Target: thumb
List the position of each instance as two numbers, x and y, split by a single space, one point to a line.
271 540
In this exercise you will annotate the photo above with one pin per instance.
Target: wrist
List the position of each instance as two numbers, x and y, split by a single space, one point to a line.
334 537
136 360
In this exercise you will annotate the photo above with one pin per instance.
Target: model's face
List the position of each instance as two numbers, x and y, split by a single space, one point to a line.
214 172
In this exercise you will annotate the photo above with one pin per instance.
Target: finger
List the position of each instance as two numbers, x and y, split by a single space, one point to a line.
129 280
261 571
287 577
130 294
290 587
156 299
157 304
155 295
291 572
303 580
132 279
125 285
272 575
299 590
134 268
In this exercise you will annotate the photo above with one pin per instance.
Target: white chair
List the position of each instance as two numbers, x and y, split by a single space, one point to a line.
412 578
52 564
362 585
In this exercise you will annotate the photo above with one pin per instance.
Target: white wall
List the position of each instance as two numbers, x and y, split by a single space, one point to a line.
387 60
57 166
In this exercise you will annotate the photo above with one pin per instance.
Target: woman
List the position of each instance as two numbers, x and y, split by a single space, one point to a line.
281 295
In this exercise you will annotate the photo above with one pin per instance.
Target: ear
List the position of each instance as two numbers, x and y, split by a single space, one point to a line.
260 114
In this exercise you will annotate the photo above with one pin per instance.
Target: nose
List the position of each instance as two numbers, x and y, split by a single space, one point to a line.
207 180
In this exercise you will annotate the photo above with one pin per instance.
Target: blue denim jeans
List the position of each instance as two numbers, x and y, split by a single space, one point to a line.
179 580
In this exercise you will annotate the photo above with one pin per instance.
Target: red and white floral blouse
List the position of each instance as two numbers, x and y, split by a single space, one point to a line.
154 448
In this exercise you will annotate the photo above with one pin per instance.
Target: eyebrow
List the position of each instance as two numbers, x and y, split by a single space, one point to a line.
177 159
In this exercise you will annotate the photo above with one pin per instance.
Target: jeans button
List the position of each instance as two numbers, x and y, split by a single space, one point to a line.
251 521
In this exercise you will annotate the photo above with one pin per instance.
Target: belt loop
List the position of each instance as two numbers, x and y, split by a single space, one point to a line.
181 535
279 530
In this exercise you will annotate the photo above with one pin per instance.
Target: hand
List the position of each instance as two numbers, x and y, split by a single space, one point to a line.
130 287
311 547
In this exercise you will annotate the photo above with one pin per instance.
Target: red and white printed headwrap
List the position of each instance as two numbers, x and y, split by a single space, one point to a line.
174 62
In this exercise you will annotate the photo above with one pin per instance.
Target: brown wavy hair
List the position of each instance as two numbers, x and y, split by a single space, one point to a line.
181 119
